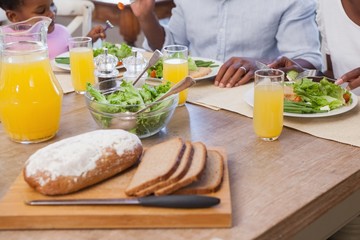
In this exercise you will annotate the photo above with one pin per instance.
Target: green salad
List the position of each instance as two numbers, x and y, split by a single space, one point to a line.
316 97
120 52
130 99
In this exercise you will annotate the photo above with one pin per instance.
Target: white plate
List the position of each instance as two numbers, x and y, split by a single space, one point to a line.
249 99
214 70
60 65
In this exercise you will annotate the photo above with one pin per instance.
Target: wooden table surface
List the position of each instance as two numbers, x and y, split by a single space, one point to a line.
128 24
280 190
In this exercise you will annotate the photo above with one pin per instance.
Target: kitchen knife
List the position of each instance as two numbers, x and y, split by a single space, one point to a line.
168 201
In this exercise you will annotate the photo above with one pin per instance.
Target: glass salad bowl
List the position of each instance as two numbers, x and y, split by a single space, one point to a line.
112 104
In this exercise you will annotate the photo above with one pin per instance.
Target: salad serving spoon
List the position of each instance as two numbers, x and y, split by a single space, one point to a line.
129 122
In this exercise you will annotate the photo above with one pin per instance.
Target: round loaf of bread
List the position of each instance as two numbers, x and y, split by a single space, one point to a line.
77 162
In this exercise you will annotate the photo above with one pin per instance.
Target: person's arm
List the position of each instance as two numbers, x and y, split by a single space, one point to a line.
153 31
298 35
297 38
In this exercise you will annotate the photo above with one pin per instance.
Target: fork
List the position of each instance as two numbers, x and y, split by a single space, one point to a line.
108 25
305 73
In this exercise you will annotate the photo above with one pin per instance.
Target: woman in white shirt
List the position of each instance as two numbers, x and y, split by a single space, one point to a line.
339 24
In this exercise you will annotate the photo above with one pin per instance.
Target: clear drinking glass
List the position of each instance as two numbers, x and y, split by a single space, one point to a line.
81 63
175 67
268 103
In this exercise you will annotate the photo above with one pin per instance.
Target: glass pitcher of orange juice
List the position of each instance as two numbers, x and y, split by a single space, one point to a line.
30 95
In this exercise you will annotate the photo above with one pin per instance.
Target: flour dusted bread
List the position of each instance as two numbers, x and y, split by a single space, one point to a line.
157 164
77 162
211 178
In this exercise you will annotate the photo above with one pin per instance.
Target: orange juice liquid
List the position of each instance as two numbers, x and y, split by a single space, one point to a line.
30 99
82 68
175 70
268 110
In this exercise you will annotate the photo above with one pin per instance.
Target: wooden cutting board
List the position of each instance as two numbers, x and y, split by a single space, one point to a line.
15 214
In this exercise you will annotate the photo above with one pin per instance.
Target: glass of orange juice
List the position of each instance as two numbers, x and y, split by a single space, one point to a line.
175 67
268 104
81 63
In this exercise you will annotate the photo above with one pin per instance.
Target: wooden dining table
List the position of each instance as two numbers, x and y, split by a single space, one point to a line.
298 187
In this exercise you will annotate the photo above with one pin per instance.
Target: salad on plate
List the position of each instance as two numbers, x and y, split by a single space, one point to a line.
306 96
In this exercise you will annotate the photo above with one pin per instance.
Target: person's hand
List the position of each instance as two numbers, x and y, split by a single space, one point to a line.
235 72
97 32
285 64
352 78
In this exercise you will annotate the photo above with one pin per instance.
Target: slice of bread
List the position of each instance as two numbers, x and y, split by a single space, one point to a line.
157 164
193 174
200 72
211 178
177 175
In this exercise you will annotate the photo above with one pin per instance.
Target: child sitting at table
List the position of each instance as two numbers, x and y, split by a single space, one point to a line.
58 35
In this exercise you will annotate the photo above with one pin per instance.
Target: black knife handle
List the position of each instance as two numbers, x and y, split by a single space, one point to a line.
179 201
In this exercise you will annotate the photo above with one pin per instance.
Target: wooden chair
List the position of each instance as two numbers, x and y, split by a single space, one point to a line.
80 10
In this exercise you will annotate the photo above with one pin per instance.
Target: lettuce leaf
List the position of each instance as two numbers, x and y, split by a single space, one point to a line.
120 52
321 94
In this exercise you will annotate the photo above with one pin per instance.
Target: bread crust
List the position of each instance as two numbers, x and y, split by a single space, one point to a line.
193 174
107 165
174 149
211 179
181 170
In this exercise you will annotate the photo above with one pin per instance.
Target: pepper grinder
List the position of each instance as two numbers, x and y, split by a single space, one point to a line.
106 66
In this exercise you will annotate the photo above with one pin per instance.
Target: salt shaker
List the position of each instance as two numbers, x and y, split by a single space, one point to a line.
134 65
106 66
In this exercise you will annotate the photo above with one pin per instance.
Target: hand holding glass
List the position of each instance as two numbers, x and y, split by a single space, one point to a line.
175 67
81 63
268 104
